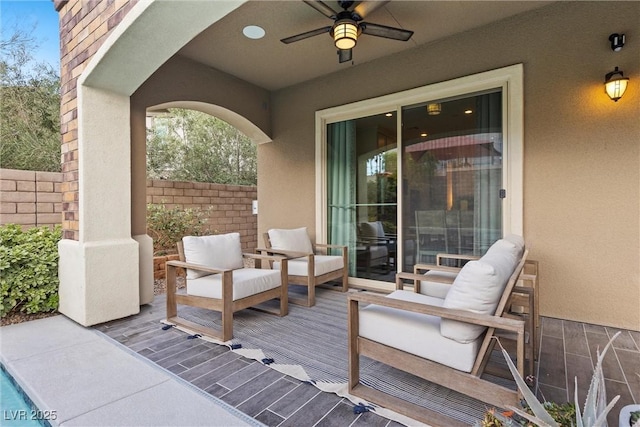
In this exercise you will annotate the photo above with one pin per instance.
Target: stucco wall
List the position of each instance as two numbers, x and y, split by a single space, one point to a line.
581 154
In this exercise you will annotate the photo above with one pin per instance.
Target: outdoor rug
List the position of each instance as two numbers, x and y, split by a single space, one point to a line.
310 344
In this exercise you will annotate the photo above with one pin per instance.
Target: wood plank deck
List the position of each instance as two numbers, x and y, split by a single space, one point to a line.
567 350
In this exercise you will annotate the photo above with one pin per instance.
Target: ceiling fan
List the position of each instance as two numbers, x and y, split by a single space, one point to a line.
348 25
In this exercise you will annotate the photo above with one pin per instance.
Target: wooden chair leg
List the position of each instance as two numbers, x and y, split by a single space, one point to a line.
284 288
172 306
311 286
227 306
353 332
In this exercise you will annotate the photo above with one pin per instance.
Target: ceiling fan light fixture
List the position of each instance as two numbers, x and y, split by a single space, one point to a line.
345 34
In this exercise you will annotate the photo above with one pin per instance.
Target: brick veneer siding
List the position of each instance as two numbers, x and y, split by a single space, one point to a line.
84 26
230 205
32 198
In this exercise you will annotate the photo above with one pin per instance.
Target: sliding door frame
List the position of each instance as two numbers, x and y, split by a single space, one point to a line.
508 79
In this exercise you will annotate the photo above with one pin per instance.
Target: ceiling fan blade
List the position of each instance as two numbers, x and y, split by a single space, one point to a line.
306 35
344 55
386 32
366 7
322 8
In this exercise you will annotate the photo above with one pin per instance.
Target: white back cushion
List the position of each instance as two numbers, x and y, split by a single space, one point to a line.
222 251
478 289
516 240
372 229
295 239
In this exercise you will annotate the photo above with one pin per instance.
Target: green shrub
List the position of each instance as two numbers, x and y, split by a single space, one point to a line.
28 269
166 226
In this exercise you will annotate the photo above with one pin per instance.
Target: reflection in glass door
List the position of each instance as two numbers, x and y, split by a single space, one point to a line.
362 178
452 176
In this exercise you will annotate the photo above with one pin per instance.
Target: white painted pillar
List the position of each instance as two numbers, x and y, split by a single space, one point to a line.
99 274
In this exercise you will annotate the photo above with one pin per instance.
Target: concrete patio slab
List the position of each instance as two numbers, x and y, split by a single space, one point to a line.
87 379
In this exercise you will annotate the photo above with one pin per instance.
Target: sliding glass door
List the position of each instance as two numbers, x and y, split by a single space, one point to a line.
362 176
431 170
452 170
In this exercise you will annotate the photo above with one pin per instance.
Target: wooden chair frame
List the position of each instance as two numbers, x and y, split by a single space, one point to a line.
470 384
311 280
225 305
526 286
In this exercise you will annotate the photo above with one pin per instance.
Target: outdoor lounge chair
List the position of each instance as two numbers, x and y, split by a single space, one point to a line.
218 280
375 247
447 340
436 280
309 265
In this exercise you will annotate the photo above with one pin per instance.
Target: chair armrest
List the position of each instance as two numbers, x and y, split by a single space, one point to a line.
513 325
198 267
284 253
328 246
434 267
265 257
416 280
324 245
440 257
418 276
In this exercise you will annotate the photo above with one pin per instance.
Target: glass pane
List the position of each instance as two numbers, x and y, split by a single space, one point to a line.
362 176
452 175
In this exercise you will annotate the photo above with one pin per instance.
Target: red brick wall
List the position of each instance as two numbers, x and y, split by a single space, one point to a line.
230 205
32 198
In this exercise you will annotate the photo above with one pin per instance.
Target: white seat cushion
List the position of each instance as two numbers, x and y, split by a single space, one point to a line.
295 239
378 251
323 264
415 333
433 286
246 282
223 251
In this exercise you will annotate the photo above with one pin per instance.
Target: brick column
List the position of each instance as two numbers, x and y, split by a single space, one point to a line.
84 25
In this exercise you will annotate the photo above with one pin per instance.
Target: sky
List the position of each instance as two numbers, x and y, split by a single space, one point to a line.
25 14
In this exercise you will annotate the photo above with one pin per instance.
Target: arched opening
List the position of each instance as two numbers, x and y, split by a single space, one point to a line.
107 273
201 178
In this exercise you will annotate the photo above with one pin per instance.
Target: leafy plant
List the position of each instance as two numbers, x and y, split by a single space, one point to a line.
548 414
166 226
187 145
29 104
28 269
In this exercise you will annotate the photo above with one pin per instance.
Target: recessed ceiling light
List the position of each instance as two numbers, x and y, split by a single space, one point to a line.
468 111
253 32
389 114
423 134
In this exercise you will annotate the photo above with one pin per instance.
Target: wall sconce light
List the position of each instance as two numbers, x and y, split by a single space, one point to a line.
345 34
434 109
617 42
615 84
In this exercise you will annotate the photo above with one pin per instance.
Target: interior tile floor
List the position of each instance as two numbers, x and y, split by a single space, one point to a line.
567 350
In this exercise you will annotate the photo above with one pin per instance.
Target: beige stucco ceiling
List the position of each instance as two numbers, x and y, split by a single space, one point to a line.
271 64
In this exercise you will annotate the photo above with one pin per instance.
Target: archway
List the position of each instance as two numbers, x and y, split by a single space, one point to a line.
105 272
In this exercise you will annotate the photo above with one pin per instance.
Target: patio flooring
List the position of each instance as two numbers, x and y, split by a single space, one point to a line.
567 350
